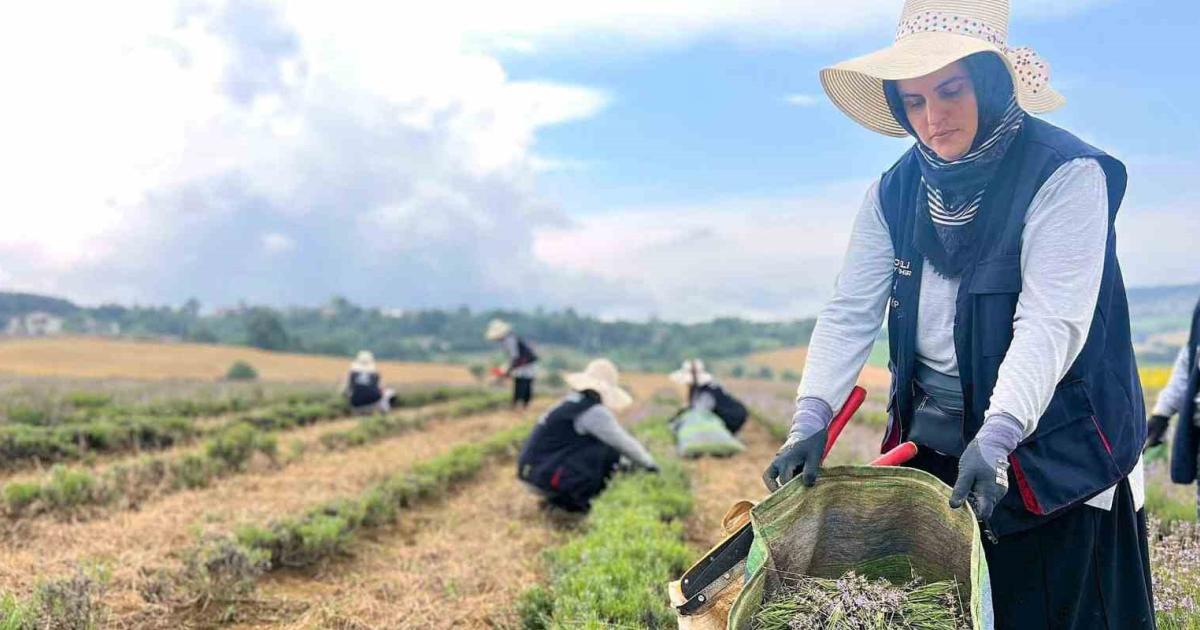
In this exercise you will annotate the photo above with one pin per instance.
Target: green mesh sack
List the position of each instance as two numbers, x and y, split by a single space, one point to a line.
878 522
699 432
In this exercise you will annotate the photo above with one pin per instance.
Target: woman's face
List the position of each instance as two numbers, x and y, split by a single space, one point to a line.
942 110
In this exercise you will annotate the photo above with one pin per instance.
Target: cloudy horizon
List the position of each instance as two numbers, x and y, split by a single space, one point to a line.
630 159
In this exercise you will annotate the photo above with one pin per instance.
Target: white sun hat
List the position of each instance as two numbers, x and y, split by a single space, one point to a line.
364 362
497 329
933 34
692 372
601 376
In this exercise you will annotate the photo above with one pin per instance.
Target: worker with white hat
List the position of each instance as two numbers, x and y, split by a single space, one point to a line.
522 360
576 446
990 248
362 387
702 391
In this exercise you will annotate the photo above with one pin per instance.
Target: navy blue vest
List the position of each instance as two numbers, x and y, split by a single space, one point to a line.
525 354
1187 437
554 441
1093 430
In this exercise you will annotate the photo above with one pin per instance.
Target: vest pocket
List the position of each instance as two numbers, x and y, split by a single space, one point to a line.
995 287
1068 459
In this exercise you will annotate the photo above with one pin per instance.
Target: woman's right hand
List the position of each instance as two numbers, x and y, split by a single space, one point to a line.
805 446
797 455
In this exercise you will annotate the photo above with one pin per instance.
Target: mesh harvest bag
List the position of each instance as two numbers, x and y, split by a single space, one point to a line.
876 521
699 432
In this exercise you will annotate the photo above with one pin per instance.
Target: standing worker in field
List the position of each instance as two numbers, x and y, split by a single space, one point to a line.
522 361
990 246
1182 396
703 391
577 445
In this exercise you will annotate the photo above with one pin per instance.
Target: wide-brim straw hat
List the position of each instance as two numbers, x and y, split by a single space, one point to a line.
363 362
692 372
601 376
933 34
497 329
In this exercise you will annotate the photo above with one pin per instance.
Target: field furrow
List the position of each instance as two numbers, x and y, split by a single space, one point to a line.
127 541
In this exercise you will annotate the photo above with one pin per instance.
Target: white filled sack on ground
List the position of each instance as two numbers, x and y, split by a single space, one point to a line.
699 432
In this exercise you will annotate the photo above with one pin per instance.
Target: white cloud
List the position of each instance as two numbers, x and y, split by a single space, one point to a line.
760 258
801 100
153 153
276 243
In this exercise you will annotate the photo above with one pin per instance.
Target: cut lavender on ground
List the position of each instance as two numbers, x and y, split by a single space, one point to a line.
853 602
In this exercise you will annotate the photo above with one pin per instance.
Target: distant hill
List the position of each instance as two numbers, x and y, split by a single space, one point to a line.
342 328
1165 309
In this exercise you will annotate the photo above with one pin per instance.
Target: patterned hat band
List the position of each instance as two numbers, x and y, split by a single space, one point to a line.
1030 69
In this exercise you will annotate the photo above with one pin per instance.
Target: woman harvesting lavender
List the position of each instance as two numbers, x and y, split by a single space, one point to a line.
990 246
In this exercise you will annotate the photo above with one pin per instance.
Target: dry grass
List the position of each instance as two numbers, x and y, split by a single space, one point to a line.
458 564
129 541
873 378
90 357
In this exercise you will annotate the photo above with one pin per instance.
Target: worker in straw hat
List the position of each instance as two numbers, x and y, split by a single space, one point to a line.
578 443
1182 396
702 391
990 247
362 387
522 360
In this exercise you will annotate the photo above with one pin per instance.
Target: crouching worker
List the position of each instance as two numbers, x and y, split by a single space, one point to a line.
577 445
362 387
703 392
522 360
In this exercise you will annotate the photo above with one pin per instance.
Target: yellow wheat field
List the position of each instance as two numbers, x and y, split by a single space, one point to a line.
90 357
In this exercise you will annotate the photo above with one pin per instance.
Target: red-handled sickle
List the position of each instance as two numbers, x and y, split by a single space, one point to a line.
857 396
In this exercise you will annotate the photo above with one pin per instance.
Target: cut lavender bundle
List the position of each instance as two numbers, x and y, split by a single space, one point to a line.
852 602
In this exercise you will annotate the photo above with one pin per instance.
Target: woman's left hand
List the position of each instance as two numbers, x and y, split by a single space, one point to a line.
983 467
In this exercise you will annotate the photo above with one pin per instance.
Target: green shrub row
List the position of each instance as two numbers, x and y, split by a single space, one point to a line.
22 444
68 489
86 406
325 531
70 603
614 575
25 444
374 428
227 451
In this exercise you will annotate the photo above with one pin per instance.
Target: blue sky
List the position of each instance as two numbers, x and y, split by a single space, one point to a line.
628 159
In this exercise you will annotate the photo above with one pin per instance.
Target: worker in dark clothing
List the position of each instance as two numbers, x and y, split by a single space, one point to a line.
577 445
1182 396
362 387
522 360
703 392
989 248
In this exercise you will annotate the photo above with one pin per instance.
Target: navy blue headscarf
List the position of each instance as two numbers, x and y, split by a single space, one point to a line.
945 234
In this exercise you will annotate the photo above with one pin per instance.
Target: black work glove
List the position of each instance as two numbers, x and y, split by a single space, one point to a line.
983 467
804 447
794 456
1157 429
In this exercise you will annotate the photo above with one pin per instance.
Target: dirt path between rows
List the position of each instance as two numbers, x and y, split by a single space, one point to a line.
127 541
459 563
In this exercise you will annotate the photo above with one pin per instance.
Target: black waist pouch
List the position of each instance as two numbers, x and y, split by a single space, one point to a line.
936 426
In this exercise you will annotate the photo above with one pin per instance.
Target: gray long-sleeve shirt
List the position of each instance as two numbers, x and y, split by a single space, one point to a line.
599 422
1062 263
1170 399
